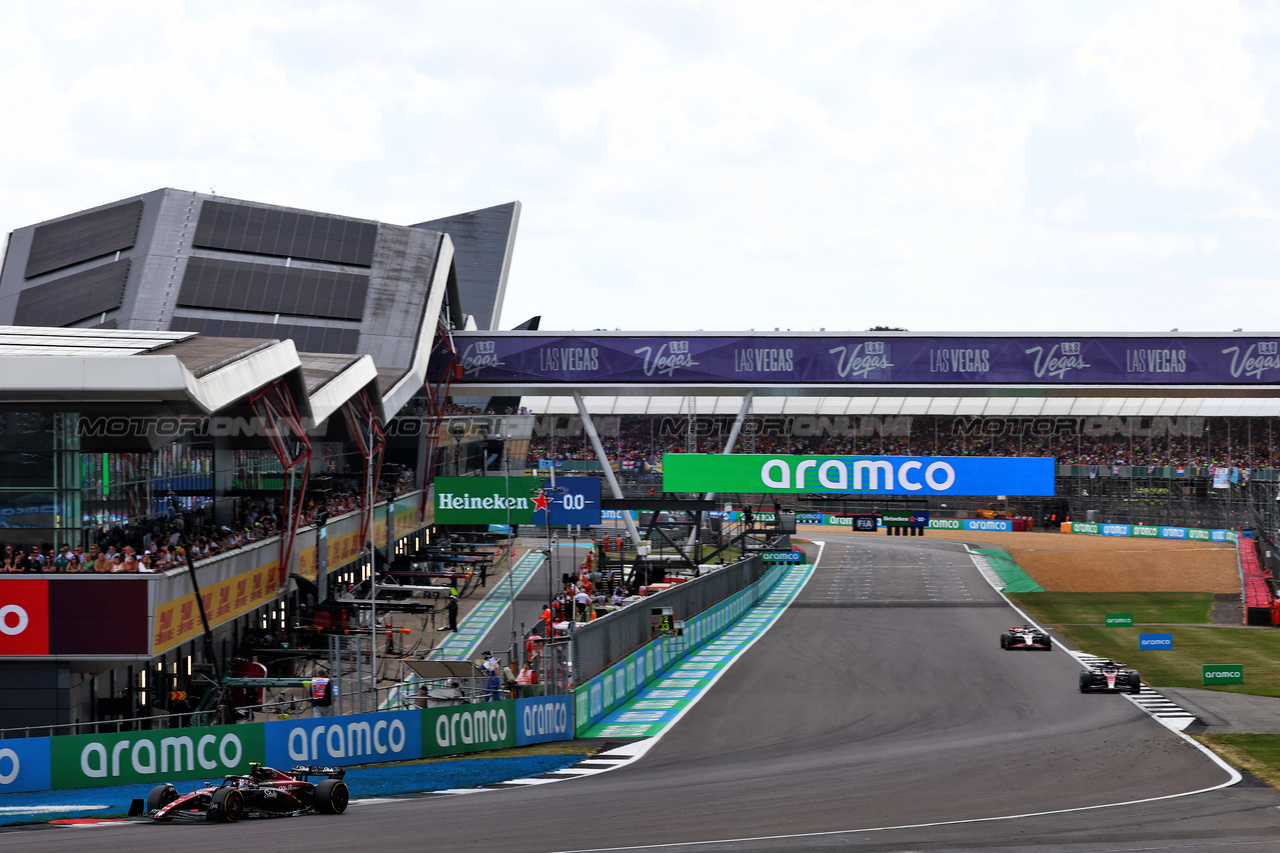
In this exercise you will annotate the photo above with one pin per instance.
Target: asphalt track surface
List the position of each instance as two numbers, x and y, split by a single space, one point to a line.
878 714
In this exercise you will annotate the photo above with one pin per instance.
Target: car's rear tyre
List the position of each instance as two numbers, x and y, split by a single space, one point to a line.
227 805
1135 682
1005 640
1086 682
161 796
332 796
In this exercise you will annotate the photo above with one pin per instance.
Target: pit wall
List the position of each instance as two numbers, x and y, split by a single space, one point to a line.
150 758
621 682
1150 531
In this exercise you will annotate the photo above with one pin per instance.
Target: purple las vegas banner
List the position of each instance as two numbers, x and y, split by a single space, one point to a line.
867 358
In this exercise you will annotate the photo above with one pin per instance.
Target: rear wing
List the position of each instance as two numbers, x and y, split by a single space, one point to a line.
318 770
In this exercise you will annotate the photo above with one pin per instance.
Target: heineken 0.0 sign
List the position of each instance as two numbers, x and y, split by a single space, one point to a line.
517 500
882 475
486 500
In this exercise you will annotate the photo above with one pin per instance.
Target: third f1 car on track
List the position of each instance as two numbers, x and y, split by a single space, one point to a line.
1110 676
1026 637
264 792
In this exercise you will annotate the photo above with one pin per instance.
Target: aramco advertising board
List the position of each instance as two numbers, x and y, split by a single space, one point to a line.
876 475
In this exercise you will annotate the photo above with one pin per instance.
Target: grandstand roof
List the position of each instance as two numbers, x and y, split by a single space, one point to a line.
182 371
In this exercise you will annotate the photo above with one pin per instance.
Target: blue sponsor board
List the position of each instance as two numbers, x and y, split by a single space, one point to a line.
24 765
1155 642
1000 525
575 500
1173 533
1115 530
782 556
352 739
544 718
810 518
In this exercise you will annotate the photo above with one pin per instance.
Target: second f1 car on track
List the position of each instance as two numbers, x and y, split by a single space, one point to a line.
1110 676
1026 637
264 792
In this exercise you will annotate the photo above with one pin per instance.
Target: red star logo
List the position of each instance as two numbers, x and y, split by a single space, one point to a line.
541 502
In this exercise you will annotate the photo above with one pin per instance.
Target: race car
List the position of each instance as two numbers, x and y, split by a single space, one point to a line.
1026 637
1110 676
264 792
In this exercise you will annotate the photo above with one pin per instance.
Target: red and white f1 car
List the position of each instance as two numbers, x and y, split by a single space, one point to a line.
1110 676
264 792
1026 637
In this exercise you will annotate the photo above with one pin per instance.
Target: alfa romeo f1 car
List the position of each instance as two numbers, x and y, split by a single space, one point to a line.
1110 676
264 792
1026 637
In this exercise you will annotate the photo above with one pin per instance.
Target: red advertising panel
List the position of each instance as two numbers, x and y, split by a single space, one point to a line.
24 617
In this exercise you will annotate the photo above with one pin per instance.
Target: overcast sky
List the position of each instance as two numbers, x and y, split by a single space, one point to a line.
960 166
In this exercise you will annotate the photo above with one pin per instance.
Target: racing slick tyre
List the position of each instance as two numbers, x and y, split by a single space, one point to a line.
1086 682
1005 639
1135 682
227 805
332 796
161 796
1048 643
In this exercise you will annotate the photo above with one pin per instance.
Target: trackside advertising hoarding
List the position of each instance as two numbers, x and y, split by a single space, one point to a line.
515 500
341 741
148 758
881 475
24 765
1195 534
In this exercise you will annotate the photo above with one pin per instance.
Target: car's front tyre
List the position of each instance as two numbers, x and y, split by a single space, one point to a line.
161 796
227 805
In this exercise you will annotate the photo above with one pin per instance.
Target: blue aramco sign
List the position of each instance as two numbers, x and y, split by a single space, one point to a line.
1155 642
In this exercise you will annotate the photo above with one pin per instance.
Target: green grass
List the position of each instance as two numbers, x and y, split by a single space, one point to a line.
1078 616
1089 608
1258 754
1257 649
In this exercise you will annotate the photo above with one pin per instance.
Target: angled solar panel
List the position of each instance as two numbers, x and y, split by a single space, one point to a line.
73 297
82 238
285 233
273 289
305 338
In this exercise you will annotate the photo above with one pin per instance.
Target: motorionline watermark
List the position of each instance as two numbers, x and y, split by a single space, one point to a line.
168 427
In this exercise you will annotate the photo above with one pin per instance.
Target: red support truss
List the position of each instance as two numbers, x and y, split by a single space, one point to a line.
281 421
366 429
445 369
